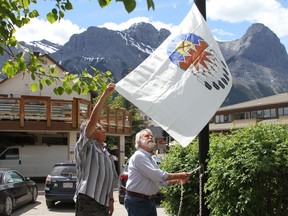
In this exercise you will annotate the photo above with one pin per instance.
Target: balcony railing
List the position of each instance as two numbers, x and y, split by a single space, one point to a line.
44 109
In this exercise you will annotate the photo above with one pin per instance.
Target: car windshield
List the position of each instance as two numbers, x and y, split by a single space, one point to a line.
64 171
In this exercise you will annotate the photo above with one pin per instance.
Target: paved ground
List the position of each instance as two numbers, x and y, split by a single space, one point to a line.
66 209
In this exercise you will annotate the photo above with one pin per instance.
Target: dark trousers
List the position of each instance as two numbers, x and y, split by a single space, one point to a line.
86 206
140 207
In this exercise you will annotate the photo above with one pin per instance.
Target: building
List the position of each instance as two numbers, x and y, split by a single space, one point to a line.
272 109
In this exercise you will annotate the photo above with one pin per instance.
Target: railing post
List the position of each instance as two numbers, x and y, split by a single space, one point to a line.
48 112
22 111
75 113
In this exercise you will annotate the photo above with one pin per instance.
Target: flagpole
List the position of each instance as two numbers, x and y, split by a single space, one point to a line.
203 137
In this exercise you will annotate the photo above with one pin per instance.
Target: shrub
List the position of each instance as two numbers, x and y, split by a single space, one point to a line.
181 159
247 174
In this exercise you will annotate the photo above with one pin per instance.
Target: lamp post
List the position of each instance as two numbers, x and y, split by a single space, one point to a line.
203 136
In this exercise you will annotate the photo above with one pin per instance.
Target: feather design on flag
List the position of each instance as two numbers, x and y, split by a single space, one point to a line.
190 50
183 82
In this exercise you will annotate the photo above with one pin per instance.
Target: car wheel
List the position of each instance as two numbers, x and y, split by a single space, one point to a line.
50 204
121 199
34 195
8 206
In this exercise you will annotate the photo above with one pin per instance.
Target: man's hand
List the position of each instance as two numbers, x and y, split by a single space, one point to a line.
110 89
111 207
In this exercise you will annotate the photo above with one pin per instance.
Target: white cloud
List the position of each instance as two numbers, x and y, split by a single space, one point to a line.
222 32
38 29
269 12
125 25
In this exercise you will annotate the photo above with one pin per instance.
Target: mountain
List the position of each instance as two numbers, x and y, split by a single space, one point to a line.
104 49
258 61
43 46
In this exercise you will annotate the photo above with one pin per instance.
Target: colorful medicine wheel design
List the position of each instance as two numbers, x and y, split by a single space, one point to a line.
192 53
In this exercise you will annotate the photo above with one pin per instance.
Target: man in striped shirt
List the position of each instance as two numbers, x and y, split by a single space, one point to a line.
95 166
145 177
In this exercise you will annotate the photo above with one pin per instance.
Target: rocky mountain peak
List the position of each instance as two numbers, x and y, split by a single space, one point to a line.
146 33
260 44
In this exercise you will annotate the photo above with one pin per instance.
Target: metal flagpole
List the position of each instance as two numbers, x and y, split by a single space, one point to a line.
203 139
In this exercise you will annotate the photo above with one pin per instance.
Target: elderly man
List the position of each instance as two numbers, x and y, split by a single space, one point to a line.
95 166
145 176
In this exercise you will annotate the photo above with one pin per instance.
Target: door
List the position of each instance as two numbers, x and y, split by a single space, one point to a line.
18 185
10 158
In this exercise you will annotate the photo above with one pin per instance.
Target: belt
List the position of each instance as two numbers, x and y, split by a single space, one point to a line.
139 195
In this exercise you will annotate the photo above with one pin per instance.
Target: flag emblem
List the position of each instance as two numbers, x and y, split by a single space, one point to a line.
192 53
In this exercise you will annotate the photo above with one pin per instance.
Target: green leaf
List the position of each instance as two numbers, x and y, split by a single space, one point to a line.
51 17
76 80
104 3
54 11
68 6
68 91
48 82
129 5
58 90
34 87
24 3
33 14
150 4
13 41
33 76
61 13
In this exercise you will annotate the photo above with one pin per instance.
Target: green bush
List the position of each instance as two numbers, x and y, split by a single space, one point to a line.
181 159
247 174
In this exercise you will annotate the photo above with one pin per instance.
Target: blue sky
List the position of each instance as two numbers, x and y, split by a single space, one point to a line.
228 20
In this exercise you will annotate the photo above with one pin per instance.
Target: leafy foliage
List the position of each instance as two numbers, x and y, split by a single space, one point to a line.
181 159
14 13
247 173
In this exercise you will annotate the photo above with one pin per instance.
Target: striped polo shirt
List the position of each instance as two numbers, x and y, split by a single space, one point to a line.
95 170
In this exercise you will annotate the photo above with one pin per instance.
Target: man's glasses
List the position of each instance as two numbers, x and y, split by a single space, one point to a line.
99 127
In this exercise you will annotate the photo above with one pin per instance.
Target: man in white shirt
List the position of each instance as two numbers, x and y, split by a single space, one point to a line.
145 177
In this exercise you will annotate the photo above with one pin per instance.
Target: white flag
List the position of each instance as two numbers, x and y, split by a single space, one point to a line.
183 82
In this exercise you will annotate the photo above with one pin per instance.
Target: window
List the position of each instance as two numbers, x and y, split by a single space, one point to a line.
227 118
273 113
219 119
259 114
280 111
267 113
285 110
240 115
16 177
8 178
10 154
247 115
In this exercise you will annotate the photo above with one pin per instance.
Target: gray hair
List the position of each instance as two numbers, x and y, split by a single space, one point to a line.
138 137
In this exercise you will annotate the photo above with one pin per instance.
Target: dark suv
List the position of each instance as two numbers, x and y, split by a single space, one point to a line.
60 185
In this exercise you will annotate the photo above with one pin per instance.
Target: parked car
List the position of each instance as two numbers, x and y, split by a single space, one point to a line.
60 184
15 190
123 177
